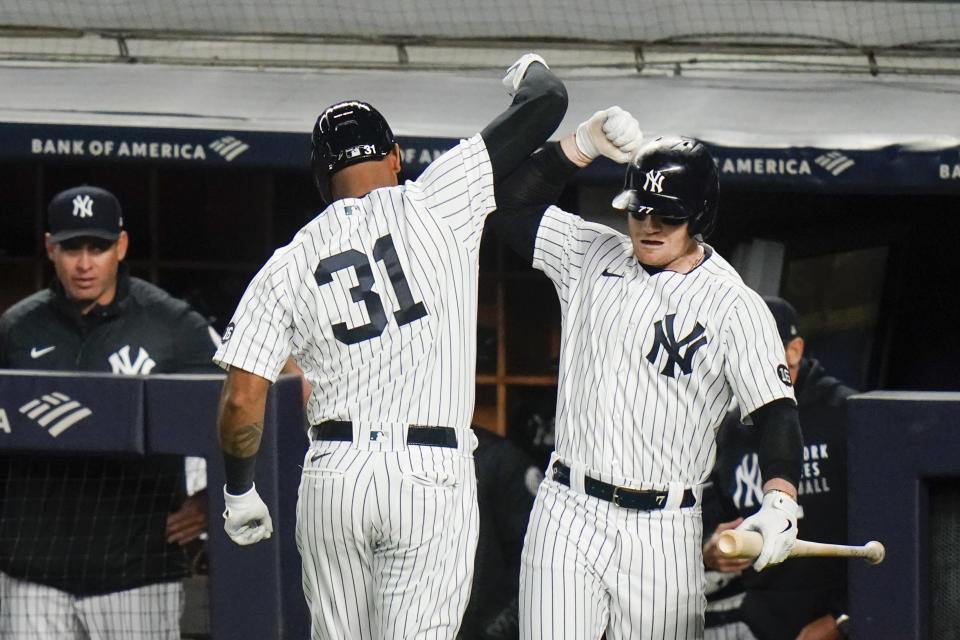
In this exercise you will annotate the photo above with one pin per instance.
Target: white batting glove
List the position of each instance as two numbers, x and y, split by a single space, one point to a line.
611 132
518 69
246 518
776 521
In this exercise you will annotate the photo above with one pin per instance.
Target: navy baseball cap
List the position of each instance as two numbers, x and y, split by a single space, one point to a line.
785 315
84 212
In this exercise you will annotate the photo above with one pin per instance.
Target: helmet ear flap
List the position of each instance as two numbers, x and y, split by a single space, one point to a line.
321 177
707 218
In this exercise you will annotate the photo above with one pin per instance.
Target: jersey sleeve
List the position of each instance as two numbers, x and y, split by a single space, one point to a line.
457 187
258 338
755 359
562 242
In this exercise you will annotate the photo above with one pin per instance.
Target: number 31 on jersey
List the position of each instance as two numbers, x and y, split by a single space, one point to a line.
364 293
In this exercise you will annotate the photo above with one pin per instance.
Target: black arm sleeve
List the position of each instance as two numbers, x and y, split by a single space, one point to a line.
525 195
536 110
781 442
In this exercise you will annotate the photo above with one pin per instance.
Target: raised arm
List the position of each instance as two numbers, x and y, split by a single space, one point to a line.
538 182
539 104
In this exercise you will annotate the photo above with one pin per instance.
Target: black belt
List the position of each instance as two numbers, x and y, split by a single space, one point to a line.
342 431
621 496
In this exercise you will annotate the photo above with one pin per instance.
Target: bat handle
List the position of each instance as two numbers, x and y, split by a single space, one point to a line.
735 543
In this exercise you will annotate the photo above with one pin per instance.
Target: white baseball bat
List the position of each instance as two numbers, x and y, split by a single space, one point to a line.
747 544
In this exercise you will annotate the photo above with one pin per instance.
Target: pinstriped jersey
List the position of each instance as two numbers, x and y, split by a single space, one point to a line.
650 363
376 299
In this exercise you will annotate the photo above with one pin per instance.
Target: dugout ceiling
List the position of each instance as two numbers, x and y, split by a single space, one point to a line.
769 130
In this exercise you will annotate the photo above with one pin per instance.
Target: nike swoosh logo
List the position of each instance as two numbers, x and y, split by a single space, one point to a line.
318 456
38 353
611 275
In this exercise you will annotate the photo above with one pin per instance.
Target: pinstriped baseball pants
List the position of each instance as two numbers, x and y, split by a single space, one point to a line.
589 567
734 631
387 540
30 611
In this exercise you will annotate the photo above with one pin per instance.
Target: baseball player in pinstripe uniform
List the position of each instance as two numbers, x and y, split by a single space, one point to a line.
659 335
376 300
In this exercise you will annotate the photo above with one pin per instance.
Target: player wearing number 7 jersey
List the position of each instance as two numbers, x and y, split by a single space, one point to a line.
659 336
376 300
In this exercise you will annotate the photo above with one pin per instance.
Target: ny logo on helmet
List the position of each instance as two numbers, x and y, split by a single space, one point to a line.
653 181
83 207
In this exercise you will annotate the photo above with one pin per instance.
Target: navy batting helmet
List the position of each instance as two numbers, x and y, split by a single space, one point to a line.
345 134
675 179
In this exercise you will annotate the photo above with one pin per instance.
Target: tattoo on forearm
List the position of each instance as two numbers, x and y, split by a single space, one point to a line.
246 440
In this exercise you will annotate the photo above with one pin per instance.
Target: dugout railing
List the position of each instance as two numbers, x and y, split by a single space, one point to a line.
904 490
254 591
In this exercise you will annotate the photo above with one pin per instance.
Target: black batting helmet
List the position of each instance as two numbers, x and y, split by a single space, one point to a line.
675 179
345 134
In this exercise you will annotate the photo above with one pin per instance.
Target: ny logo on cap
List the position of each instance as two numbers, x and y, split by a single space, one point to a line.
83 207
653 181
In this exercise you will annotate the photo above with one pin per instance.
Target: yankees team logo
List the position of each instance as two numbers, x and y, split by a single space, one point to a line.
83 207
665 337
749 492
653 181
121 364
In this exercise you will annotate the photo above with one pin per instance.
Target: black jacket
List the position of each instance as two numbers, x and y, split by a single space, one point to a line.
89 525
142 317
782 599
507 481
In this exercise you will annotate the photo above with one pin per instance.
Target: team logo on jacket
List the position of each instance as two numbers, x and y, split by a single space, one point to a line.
749 491
679 352
56 412
121 363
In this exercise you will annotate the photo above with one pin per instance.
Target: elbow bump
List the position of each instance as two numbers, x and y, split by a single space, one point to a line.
557 96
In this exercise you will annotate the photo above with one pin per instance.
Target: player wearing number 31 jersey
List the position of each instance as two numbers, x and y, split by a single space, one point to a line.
376 300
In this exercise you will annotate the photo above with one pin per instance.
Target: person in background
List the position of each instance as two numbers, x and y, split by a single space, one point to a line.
95 548
507 481
802 598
